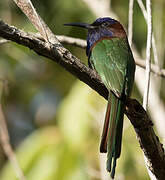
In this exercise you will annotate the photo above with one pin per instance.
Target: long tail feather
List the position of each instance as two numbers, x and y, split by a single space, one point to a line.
118 137
103 144
114 132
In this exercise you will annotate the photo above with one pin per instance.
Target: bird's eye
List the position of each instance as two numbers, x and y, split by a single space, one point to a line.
105 24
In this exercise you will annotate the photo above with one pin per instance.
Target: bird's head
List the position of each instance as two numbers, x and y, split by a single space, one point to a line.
102 28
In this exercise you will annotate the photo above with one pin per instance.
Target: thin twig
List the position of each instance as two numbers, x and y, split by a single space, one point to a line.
155 53
130 21
5 141
142 7
148 54
154 68
73 41
27 7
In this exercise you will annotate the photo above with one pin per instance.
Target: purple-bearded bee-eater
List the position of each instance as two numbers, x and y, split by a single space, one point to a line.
110 55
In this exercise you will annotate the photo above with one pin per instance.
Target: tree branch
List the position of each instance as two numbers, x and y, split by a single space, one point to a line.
148 54
149 142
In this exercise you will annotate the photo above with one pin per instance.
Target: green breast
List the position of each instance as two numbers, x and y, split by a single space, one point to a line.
113 60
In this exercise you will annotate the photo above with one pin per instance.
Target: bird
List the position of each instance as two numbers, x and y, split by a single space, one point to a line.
109 53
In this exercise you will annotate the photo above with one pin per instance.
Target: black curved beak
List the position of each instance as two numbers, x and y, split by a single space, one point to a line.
82 25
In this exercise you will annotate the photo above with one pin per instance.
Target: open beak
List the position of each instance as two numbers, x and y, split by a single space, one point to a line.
83 25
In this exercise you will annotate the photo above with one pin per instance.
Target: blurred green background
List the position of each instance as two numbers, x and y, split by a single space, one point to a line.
54 120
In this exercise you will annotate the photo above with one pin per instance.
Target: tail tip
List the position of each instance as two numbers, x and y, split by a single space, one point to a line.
112 172
103 149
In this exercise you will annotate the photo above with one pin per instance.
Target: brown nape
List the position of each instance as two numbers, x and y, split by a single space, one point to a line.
118 30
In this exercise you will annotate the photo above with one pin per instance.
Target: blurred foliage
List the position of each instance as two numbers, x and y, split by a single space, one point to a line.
53 119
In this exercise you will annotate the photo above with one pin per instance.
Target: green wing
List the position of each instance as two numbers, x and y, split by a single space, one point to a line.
113 60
